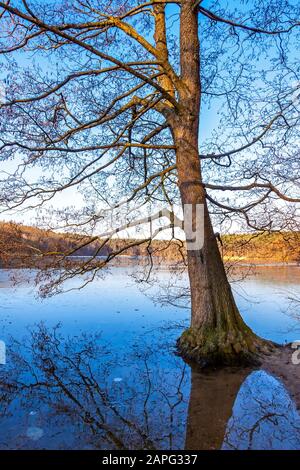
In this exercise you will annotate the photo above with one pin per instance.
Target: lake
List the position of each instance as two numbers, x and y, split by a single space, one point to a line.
97 368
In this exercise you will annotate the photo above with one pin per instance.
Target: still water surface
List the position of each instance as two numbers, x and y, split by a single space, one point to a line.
97 369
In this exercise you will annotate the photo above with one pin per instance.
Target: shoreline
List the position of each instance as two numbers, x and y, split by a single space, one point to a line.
162 263
279 364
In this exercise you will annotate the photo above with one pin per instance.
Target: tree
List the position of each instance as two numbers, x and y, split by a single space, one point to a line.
100 98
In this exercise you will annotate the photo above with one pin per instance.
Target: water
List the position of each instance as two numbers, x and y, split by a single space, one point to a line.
96 369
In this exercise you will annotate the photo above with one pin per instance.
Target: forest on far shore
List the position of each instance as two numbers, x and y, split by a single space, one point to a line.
20 243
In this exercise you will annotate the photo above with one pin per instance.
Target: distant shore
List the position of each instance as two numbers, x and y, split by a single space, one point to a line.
22 245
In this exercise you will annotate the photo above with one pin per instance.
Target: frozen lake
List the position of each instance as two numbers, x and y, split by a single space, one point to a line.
96 369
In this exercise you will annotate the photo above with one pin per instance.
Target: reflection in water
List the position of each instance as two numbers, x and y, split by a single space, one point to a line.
211 402
264 416
74 393
240 409
64 394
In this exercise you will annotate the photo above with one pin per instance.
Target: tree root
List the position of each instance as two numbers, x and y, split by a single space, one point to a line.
214 348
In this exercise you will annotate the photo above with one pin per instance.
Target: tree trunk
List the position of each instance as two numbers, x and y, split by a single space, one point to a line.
217 335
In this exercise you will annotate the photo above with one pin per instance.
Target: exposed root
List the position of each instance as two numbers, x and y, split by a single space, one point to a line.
215 348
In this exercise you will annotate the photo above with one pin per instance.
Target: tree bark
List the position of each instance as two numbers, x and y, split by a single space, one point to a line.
217 335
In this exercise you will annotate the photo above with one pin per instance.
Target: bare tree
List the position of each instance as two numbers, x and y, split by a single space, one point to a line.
114 89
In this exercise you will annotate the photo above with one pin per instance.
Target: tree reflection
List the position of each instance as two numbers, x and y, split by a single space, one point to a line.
241 409
264 416
73 379
73 393
212 399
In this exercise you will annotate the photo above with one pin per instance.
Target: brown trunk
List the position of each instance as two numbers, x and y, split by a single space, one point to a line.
217 334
